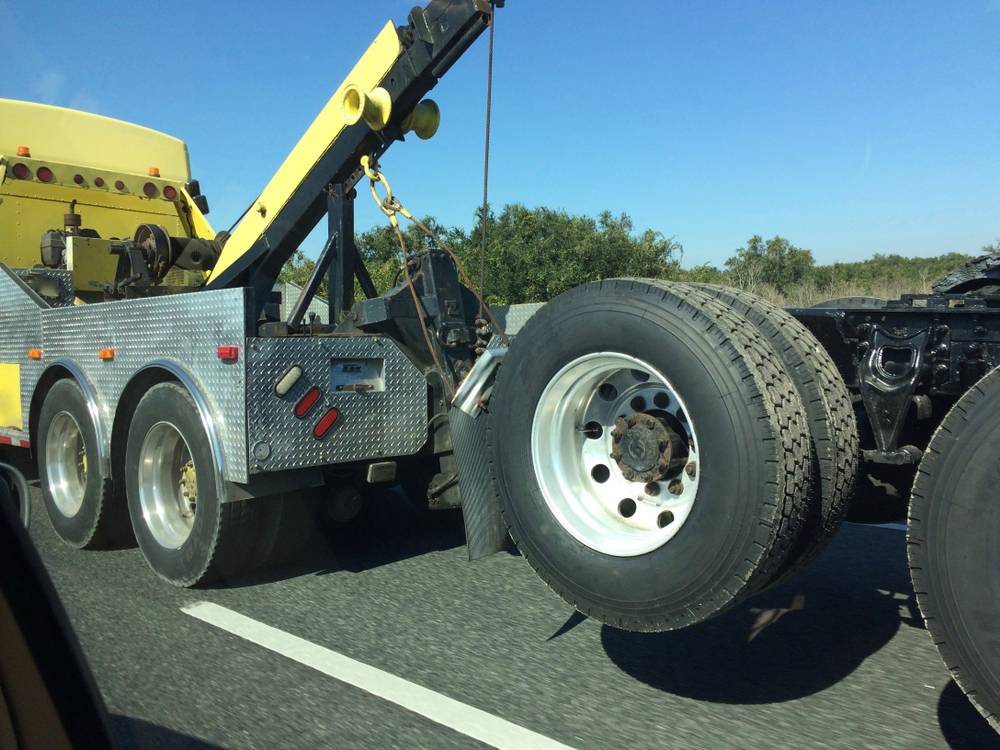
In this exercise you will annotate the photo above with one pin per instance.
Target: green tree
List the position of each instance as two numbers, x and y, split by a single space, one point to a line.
533 254
776 262
705 273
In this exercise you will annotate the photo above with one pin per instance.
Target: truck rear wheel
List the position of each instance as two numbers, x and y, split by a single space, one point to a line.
187 532
954 526
652 459
14 491
76 490
832 425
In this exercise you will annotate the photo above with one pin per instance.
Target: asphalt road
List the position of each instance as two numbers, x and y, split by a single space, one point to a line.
835 658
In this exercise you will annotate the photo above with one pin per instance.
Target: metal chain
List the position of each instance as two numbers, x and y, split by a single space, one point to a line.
486 165
390 205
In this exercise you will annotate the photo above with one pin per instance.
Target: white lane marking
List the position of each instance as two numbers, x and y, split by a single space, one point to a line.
439 708
895 526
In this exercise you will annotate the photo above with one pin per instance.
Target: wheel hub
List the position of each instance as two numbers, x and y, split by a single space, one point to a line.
611 445
66 463
642 447
168 485
188 490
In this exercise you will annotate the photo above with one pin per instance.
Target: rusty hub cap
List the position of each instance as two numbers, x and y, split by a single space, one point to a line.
643 446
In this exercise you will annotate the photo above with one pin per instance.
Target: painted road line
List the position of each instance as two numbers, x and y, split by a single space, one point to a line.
892 526
439 708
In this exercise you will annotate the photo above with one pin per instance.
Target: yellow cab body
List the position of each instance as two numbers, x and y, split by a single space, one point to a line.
120 175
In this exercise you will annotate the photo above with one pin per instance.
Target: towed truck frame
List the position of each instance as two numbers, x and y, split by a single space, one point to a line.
657 451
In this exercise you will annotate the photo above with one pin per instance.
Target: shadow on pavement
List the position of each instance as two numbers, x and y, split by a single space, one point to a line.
962 725
135 734
389 528
789 642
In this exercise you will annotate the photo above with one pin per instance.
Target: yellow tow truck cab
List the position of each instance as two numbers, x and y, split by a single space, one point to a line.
91 178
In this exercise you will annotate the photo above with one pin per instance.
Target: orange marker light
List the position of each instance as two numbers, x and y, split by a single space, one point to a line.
34 353
107 354
154 171
23 151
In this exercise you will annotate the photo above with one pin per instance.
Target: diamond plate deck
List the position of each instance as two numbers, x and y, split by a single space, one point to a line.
21 323
184 329
372 424
513 317
63 278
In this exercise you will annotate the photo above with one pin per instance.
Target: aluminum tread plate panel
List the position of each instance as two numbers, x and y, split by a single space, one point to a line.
62 277
513 317
184 329
372 424
21 322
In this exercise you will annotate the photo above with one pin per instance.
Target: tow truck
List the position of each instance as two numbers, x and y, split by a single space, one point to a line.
657 451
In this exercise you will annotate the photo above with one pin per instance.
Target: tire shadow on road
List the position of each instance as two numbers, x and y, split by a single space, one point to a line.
962 725
131 733
389 528
792 641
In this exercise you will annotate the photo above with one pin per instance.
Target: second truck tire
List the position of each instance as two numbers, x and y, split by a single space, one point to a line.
828 406
188 534
651 456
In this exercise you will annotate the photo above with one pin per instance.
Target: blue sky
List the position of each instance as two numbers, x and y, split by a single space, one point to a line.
850 127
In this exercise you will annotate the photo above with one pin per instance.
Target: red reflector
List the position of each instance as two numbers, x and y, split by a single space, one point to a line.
78 179
169 192
44 174
149 189
325 423
21 171
228 353
307 402
99 181
119 185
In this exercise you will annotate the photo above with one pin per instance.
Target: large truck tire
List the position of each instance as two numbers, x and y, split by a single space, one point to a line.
979 276
833 428
954 526
651 455
77 491
187 532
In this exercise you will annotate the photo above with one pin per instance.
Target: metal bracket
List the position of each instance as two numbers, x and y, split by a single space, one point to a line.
887 376
478 384
339 259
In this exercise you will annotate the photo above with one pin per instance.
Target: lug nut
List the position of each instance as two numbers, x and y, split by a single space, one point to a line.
675 487
690 469
652 489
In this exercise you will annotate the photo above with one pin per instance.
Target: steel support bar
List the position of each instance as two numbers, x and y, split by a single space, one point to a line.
344 261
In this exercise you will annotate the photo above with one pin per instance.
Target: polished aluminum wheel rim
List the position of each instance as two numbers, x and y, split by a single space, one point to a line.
66 463
571 446
167 485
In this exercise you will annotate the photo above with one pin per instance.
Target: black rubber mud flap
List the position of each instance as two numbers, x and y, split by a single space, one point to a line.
485 531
